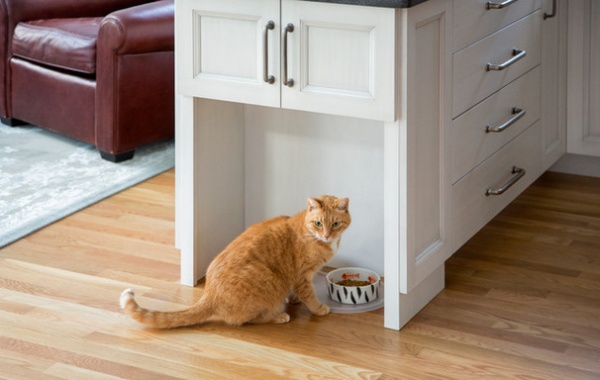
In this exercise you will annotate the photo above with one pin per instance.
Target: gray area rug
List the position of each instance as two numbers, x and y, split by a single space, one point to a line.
45 177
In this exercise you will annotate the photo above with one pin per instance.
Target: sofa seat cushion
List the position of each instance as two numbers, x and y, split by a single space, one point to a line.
67 44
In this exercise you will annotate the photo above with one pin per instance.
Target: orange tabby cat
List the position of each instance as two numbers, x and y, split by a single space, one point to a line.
248 282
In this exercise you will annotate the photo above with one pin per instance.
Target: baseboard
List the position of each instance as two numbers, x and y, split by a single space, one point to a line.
578 164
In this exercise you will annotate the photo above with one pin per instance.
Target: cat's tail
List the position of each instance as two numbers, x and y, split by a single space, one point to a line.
196 314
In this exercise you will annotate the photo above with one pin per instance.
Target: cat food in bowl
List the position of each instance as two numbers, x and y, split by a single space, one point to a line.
353 286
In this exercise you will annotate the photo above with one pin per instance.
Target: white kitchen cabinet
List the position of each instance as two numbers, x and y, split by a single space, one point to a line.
292 54
431 119
367 117
583 113
554 82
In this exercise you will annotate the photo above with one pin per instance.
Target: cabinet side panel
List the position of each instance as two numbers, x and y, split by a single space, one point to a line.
593 130
209 188
428 140
417 165
429 161
219 172
553 94
583 118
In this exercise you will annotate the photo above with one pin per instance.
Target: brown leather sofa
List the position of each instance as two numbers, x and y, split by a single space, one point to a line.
100 71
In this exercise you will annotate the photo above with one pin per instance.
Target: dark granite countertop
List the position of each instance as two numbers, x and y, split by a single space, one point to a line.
376 3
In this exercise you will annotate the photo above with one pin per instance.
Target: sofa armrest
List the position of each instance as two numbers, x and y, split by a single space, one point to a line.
141 29
135 71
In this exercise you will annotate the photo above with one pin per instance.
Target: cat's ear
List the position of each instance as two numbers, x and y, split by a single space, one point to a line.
342 204
314 203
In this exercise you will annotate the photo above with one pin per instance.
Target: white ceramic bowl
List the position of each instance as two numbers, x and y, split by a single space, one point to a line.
353 295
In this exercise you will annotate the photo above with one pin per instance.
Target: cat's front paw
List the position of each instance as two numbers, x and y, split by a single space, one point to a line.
281 318
322 310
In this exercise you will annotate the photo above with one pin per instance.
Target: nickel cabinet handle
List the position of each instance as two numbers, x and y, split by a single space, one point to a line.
489 5
286 81
270 79
553 13
518 174
517 114
517 55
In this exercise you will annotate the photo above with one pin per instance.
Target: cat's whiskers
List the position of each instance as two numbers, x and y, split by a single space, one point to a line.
330 241
312 237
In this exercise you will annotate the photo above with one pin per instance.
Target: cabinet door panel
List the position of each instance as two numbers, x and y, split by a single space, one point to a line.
341 59
238 42
224 56
352 46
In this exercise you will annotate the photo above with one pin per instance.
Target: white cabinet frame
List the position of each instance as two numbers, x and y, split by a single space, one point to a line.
211 185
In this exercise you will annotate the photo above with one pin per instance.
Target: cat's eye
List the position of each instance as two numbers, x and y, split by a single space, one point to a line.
318 223
335 224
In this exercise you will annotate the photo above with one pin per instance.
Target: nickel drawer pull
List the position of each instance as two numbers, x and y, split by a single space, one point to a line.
517 54
286 81
270 79
553 13
518 174
517 112
489 5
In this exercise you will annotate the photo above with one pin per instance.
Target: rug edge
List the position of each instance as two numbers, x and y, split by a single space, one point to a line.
29 228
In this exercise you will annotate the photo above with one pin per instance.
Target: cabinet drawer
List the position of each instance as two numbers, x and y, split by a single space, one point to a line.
517 106
472 207
473 82
473 21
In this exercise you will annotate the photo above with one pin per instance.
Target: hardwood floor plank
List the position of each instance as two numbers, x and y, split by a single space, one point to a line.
70 372
15 365
49 351
226 355
490 362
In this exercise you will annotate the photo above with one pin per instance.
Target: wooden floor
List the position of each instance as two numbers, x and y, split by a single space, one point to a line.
522 302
